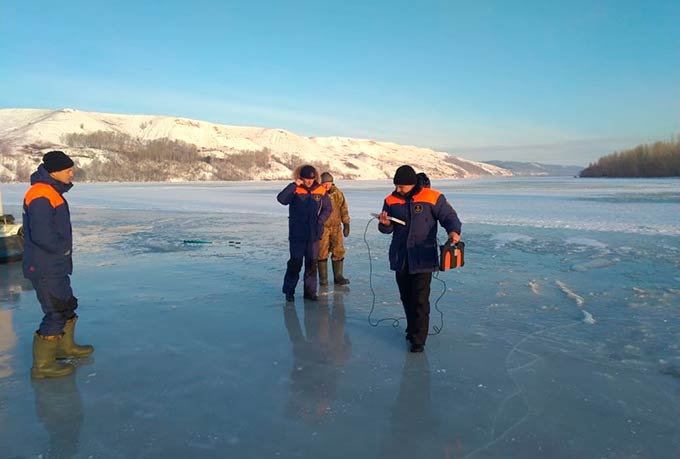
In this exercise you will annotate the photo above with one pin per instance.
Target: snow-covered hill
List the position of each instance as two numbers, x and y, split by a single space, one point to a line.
252 152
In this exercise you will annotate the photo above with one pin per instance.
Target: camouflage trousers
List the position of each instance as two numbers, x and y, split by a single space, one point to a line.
331 242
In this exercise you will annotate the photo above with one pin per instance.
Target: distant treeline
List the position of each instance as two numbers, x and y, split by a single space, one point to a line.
135 149
660 159
159 160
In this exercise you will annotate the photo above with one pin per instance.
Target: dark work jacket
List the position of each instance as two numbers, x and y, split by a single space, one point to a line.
48 241
308 210
416 243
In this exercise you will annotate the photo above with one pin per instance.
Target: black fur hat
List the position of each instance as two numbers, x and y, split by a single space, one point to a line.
308 172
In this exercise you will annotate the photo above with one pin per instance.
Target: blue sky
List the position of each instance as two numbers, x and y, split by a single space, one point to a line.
557 82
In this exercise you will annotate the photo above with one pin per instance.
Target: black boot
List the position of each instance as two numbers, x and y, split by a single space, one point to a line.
337 273
311 296
323 272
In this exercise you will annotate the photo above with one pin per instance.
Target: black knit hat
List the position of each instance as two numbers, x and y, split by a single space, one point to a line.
56 161
405 175
308 172
326 177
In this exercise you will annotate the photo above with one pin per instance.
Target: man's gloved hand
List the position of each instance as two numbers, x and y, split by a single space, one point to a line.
345 229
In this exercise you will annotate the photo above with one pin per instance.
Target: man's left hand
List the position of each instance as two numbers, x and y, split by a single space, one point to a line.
454 237
345 229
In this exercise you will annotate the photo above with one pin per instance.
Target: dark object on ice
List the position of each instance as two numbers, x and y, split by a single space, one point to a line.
195 241
311 296
451 255
290 297
11 239
416 347
671 369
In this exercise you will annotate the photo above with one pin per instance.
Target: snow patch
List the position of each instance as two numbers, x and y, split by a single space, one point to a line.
535 288
503 239
586 242
570 293
588 317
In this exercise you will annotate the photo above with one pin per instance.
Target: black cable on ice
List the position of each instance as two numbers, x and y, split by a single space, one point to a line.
396 320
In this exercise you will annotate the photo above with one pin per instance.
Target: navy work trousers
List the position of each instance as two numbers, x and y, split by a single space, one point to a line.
307 251
57 303
414 290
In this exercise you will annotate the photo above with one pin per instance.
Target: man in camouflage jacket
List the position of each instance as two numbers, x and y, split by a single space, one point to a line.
331 240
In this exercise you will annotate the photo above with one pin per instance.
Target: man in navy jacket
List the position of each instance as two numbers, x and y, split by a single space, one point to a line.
413 251
47 263
309 208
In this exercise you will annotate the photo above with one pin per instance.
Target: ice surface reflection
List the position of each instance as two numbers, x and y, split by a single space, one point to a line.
319 354
59 408
198 354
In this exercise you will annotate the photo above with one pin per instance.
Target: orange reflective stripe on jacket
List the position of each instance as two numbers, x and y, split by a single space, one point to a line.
427 195
303 190
43 190
391 200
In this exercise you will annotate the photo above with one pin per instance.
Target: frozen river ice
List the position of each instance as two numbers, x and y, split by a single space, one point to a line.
560 338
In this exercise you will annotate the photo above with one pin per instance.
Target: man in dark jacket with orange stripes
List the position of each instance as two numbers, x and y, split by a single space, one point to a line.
309 208
47 263
413 251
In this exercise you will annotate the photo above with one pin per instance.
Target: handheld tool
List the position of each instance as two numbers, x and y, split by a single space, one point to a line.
394 219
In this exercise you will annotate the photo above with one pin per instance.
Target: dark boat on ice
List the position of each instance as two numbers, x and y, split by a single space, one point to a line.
11 237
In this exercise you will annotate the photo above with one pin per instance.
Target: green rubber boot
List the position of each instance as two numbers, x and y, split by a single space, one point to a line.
44 358
323 272
337 273
67 347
